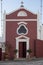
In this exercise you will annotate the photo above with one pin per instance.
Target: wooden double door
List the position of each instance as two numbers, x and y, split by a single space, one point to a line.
22 49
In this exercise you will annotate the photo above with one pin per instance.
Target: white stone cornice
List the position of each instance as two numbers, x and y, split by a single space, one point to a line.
21 19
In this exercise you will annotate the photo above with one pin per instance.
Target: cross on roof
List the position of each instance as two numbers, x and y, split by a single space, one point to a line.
22 4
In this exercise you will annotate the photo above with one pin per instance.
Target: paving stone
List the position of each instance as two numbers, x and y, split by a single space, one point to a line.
40 62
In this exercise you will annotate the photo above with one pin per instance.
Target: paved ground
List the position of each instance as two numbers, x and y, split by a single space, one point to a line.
33 62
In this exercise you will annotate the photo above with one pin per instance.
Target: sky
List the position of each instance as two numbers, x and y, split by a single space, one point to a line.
11 5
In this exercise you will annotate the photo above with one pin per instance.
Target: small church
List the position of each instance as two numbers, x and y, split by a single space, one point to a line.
21 35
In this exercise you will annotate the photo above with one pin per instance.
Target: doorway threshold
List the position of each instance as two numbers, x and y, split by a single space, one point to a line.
20 59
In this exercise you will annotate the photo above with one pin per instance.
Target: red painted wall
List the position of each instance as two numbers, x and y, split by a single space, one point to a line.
11 31
11 27
39 48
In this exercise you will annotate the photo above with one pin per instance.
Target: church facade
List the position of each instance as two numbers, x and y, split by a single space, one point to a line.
21 29
21 34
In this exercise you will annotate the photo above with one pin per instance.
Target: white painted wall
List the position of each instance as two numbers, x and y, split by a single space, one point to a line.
42 32
38 25
2 39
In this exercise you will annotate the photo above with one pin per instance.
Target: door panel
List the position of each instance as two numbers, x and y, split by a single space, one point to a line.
22 49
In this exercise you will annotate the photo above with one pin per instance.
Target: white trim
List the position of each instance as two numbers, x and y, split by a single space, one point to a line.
22 23
18 39
21 19
25 28
22 36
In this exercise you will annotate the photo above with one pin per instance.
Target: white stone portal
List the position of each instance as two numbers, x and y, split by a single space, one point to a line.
19 39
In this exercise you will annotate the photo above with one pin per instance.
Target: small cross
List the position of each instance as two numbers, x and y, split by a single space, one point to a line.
22 3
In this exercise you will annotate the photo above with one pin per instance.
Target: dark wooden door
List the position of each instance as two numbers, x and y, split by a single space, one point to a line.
0 53
22 49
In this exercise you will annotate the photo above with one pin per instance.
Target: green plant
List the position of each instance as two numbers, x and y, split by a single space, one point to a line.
15 51
29 51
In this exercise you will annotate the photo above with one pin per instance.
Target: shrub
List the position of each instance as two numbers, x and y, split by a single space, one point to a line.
29 51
